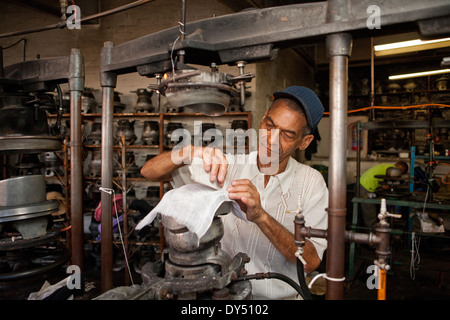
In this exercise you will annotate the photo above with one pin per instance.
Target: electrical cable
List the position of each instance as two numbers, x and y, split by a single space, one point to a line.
16 43
180 28
121 241
444 180
426 198
112 192
415 256
415 244
171 57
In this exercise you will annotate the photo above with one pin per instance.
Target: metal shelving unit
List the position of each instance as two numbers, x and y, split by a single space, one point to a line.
411 204
122 181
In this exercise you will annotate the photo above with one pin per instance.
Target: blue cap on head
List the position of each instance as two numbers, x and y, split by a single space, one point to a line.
307 99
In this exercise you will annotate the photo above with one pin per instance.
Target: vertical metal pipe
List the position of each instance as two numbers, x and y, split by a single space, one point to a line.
1 63
181 53
158 94
241 66
372 80
76 87
183 20
106 182
108 82
67 196
358 157
339 47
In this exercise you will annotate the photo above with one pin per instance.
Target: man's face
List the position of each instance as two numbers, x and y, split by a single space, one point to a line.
282 133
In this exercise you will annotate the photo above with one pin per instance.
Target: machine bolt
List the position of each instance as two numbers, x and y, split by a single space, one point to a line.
163 294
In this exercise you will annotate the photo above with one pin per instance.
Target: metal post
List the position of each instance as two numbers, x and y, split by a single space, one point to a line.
357 195
241 66
108 83
339 48
181 53
76 87
1 63
372 81
158 94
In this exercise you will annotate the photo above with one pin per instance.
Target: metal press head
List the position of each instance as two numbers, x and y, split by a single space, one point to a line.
206 92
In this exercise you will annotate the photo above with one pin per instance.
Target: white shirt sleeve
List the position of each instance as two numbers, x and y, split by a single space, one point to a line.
181 177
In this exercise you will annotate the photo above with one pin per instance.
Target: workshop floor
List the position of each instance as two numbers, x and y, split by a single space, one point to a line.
431 275
427 280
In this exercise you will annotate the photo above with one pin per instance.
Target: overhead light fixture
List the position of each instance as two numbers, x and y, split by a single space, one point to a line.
410 46
419 74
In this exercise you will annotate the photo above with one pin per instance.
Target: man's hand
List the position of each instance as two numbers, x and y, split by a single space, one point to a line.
247 196
215 163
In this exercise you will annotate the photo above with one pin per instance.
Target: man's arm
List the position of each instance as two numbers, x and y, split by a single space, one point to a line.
245 193
283 240
160 168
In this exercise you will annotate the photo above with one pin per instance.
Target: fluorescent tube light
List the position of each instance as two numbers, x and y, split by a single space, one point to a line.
410 45
419 74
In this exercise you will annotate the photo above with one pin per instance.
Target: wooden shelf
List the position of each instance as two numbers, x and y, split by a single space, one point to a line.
162 119
132 146
146 114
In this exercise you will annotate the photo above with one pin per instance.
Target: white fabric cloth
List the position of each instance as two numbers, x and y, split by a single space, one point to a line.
193 206
47 289
277 198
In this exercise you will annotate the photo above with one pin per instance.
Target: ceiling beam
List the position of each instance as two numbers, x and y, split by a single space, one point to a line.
239 5
256 35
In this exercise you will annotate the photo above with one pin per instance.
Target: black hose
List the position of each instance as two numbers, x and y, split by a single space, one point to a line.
302 281
279 276
60 109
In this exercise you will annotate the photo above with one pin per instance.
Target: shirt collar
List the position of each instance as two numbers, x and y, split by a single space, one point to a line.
253 168
284 178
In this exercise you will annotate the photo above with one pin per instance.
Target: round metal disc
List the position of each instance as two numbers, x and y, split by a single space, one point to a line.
29 144
28 211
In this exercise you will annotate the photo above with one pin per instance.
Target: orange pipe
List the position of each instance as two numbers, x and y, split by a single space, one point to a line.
66 228
382 285
396 107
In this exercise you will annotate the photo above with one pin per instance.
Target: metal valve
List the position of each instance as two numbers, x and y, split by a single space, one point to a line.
383 232
299 240
63 5
384 214
241 66
382 264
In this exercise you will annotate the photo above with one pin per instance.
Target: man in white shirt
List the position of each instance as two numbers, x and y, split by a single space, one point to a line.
268 197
